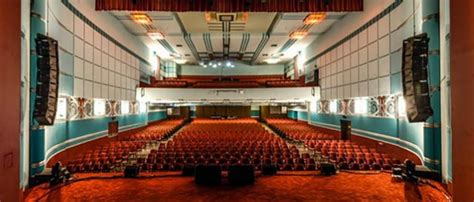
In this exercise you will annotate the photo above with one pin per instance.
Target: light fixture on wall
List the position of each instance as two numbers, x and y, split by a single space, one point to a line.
61 111
124 107
296 35
314 18
141 18
99 107
333 106
401 105
217 64
360 106
156 35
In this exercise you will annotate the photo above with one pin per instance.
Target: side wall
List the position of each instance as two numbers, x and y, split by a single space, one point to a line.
360 58
98 59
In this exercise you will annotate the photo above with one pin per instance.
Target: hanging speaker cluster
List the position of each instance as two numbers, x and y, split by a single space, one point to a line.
416 90
47 80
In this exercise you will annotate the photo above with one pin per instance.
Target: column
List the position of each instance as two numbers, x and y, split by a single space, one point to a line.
462 99
37 133
432 127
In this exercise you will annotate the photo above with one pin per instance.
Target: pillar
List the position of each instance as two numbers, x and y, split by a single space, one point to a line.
462 99
10 88
37 133
432 127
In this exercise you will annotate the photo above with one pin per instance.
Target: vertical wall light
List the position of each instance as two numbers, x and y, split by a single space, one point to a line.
124 107
360 106
99 107
333 106
143 107
61 112
401 106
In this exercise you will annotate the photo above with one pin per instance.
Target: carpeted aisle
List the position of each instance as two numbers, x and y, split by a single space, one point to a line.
284 187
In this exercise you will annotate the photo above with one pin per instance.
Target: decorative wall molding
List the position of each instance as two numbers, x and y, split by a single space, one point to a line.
378 106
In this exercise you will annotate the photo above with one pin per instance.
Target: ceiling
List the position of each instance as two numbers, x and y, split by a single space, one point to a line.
252 40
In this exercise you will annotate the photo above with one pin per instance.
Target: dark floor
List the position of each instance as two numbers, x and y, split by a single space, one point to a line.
289 186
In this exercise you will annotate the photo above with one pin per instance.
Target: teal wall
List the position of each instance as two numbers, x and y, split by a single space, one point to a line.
299 115
156 116
255 113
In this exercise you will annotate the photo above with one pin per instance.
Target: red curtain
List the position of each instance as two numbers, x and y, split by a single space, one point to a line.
232 5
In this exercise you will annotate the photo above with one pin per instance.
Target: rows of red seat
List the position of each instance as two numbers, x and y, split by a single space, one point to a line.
224 143
225 84
103 158
157 131
170 84
346 154
284 83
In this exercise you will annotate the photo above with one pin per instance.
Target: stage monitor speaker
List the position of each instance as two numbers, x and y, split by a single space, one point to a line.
241 174
416 90
131 171
47 83
188 170
268 169
328 169
208 175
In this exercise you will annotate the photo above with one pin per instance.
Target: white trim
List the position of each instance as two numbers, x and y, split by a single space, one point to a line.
331 126
98 135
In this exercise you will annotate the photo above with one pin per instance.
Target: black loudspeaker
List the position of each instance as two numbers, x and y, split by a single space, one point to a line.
188 170
346 129
241 174
316 77
415 78
47 80
208 175
328 169
131 171
268 169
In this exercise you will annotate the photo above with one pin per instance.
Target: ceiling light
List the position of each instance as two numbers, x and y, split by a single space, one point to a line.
314 18
298 34
228 64
156 35
272 60
214 66
141 18
180 61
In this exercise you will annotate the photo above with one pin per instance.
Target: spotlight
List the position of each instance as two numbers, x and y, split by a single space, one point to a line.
228 64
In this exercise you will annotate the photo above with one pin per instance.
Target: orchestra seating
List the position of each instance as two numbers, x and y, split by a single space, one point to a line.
225 143
284 83
105 157
225 84
346 154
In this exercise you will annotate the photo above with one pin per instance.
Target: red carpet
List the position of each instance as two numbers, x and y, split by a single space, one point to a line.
284 187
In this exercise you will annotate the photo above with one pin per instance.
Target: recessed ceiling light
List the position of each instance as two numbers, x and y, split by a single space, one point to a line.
272 60
179 45
314 18
274 45
156 35
141 18
180 61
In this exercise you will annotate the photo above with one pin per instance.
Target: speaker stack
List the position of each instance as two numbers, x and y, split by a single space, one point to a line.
208 175
415 78
47 80
241 174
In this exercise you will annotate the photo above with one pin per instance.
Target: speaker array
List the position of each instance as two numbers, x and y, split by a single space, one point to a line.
415 78
47 80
